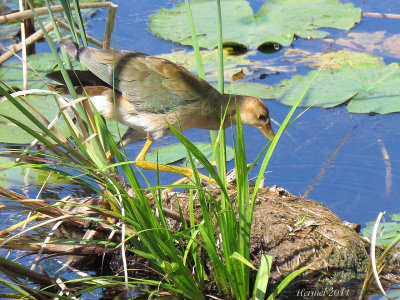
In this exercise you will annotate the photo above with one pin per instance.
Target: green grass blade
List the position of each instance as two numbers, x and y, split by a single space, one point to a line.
80 22
260 286
274 142
68 14
200 156
196 49
286 281
16 288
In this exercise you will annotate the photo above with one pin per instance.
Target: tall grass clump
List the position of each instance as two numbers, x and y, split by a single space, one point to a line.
179 260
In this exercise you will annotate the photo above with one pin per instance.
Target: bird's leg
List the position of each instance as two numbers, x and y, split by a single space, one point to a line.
169 190
110 153
127 138
142 163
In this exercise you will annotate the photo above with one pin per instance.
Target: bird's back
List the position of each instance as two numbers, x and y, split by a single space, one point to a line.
150 83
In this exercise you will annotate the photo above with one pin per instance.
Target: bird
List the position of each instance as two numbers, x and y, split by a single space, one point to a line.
146 93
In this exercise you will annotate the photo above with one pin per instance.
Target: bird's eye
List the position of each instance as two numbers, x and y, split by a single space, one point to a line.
262 118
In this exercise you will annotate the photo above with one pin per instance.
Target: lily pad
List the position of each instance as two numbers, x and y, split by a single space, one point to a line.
329 60
19 176
387 232
262 91
11 133
369 87
113 127
11 73
378 42
233 64
173 153
277 21
9 31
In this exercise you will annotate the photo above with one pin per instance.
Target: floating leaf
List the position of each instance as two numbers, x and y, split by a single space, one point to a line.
173 153
369 87
19 176
387 232
9 31
396 217
11 73
113 127
378 42
233 64
10 133
277 21
258 90
329 60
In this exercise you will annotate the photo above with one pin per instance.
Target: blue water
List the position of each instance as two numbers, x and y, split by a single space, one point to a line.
354 180
355 183
337 158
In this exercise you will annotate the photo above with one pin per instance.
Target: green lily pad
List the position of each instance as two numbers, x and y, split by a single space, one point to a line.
173 153
391 295
233 64
277 21
19 176
262 91
11 133
387 232
113 127
330 60
396 217
378 42
12 177
9 31
11 73
369 87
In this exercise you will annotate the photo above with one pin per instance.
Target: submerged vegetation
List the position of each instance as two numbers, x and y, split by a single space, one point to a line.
154 242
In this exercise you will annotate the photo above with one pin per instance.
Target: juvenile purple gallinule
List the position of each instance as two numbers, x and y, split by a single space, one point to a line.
151 91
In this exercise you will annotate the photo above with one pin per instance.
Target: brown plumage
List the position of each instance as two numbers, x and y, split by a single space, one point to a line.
151 91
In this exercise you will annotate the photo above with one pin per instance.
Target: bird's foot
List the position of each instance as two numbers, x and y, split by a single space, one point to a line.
109 155
182 180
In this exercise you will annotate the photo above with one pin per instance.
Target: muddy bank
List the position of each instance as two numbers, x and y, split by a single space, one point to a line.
296 232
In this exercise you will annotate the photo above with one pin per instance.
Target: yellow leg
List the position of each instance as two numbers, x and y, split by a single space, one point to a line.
109 154
178 182
166 191
142 163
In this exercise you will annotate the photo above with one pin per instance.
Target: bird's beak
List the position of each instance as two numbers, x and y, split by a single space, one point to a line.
268 131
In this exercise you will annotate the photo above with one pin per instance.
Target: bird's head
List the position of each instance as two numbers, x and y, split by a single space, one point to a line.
254 112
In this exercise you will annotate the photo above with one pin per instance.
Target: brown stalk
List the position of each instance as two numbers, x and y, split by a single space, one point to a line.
380 15
26 244
54 212
88 37
19 271
18 47
23 286
18 16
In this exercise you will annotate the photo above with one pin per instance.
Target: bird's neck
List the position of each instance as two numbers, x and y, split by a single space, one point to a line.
230 105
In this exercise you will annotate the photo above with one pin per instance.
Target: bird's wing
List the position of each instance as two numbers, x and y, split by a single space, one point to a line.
150 83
